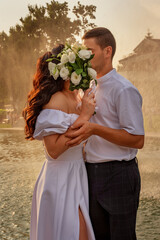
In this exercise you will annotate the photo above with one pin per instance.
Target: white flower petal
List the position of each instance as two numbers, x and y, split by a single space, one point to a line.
72 57
64 73
68 50
60 65
75 79
51 67
92 73
84 54
64 58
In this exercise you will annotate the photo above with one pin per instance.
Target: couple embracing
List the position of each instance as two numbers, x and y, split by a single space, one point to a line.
97 198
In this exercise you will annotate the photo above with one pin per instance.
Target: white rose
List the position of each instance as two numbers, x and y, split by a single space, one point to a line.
92 73
51 67
53 70
64 58
60 65
84 54
64 73
75 79
72 57
68 50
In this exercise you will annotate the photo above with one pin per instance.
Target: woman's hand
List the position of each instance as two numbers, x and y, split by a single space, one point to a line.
88 105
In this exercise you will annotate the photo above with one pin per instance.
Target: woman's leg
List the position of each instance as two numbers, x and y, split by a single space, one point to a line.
83 228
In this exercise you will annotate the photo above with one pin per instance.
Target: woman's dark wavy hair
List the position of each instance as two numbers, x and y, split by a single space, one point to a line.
44 86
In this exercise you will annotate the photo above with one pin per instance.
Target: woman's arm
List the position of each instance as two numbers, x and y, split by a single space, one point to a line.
56 144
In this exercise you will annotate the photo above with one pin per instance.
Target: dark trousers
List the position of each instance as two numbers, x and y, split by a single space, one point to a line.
114 189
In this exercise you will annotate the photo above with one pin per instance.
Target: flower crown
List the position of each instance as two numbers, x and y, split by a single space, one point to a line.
74 64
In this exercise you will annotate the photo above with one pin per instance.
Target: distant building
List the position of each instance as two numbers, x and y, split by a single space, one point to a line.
146 56
142 68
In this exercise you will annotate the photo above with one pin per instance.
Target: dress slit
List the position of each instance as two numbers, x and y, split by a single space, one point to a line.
83 233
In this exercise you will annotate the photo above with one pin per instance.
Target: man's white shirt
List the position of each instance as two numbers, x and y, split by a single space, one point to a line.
119 106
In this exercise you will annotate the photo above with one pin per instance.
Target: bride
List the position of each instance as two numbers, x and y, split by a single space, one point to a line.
60 198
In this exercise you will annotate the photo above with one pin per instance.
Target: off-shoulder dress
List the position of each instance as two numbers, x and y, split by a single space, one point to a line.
62 186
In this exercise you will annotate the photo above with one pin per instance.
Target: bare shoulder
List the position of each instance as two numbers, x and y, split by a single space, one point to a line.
58 101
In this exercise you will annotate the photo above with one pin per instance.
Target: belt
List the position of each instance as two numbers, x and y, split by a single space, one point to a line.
125 162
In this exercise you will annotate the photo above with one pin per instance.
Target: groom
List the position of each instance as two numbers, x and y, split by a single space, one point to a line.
115 134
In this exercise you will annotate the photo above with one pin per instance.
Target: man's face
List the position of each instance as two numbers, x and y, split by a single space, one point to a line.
98 59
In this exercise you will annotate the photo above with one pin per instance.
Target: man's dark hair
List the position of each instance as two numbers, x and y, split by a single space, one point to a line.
103 36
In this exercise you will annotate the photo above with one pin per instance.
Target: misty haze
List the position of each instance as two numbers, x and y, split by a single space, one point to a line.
21 160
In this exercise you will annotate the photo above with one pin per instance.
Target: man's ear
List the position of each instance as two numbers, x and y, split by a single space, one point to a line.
108 51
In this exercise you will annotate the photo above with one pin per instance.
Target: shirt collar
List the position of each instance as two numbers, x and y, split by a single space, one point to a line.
106 76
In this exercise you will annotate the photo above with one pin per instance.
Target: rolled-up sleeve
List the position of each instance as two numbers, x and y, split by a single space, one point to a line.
129 110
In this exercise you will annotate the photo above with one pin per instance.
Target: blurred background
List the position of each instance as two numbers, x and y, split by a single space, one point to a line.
29 28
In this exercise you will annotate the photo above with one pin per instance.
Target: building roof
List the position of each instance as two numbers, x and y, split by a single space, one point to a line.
146 46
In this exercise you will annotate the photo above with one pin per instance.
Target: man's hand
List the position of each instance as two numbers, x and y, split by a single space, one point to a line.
78 132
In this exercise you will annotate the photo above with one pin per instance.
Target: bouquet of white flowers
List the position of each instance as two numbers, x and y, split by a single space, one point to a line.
74 64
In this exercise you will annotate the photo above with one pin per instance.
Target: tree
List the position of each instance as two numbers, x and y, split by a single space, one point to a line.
3 60
42 28
84 14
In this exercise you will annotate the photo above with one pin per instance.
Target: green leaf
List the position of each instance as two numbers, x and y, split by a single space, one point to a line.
79 71
67 45
91 57
59 55
55 70
84 88
49 59
70 69
74 65
71 88
85 81
84 74
79 62
85 85
89 64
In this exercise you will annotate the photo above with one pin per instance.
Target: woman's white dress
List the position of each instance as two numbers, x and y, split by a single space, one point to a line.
61 187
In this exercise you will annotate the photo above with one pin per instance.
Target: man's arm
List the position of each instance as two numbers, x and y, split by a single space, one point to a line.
128 106
120 137
116 136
